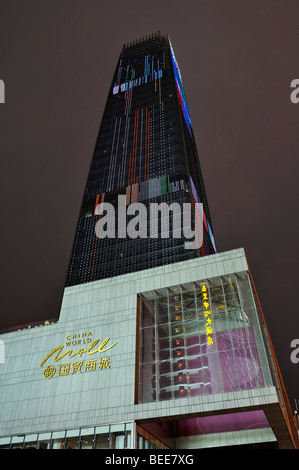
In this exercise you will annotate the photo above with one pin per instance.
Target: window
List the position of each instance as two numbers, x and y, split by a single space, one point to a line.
114 436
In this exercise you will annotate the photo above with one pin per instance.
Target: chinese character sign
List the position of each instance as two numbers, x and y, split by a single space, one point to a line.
76 367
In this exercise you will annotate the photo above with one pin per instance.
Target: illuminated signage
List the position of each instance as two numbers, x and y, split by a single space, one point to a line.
137 82
180 90
151 72
207 313
80 366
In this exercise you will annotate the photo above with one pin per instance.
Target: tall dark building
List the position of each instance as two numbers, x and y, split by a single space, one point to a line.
145 151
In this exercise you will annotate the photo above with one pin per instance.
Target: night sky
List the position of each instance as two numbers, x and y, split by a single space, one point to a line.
237 60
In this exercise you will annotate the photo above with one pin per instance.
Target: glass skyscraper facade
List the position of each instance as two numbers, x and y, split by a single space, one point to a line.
145 151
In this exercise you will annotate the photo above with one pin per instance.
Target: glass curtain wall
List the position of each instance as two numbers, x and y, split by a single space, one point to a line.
201 338
145 153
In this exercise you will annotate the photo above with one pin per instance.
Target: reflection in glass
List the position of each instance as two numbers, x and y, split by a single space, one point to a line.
176 359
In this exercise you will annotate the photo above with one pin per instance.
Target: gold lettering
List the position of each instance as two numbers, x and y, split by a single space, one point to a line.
79 353
100 348
104 344
57 357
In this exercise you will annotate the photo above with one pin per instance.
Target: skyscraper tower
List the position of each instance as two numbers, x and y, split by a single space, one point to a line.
145 151
158 345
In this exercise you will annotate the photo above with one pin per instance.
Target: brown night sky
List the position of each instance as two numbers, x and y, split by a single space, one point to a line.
237 60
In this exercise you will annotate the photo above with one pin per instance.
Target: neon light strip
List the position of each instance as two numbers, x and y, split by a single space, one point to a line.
207 225
96 240
153 187
145 145
181 92
136 82
148 145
